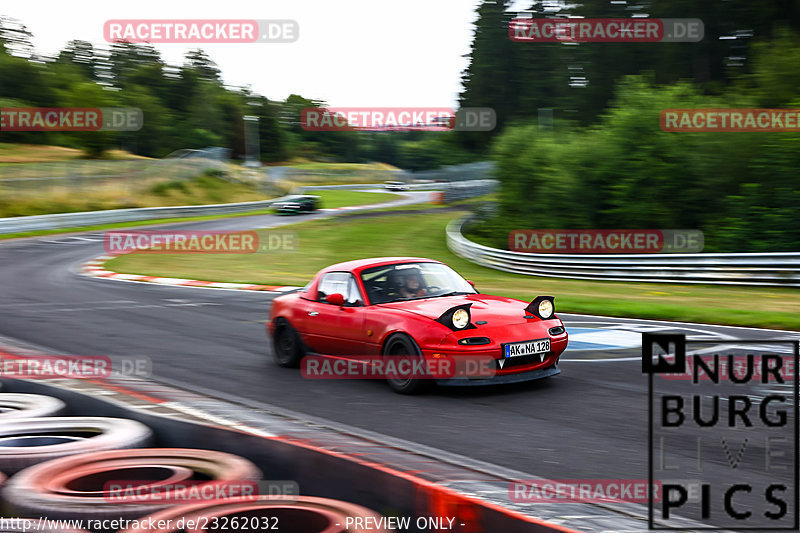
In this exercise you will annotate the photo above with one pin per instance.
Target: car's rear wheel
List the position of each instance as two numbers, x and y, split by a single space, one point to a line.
287 345
401 345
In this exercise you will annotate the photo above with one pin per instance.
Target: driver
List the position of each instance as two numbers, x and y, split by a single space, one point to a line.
410 284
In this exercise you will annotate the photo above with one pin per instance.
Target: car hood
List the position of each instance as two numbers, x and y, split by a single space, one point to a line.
484 307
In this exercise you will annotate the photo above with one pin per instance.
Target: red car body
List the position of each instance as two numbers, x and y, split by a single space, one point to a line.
363 330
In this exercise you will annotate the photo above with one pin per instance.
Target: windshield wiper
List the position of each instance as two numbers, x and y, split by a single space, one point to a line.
452 293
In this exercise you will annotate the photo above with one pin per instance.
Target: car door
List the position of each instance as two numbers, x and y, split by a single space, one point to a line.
334 329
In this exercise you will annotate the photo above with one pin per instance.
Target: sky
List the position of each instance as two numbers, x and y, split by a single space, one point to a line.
350 53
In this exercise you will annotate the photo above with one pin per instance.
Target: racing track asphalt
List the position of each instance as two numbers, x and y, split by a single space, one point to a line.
589 422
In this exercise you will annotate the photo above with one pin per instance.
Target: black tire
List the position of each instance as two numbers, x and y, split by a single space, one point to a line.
29 406
287 345
42 439
401 344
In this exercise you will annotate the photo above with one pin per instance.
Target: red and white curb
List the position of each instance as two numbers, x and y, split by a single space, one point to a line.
96 269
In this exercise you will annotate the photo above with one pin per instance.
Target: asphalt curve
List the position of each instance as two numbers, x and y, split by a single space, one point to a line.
589 422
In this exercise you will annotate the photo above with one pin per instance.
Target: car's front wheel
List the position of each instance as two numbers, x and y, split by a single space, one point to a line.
287 345
401 345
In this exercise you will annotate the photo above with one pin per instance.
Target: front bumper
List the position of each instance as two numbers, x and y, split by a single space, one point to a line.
501 379
505 370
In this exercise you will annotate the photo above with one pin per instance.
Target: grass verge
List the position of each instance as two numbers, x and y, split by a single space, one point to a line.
43 153
330 199
207 188
322 244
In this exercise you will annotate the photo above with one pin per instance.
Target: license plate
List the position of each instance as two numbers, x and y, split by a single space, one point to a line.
516 349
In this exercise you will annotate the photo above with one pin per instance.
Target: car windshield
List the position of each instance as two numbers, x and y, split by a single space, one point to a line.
412 281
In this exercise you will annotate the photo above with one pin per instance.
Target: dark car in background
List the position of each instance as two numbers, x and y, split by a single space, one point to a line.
305 203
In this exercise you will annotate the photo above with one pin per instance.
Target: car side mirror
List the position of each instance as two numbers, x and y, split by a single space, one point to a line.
471 283
335 299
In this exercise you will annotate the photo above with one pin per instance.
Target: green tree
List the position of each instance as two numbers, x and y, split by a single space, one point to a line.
80 54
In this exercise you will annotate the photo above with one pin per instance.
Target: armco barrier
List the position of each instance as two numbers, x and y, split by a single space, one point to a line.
113 216
462 190
464 171
778 269
453 191
318 471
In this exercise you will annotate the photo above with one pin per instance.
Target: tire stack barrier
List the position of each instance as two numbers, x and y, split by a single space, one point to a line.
26 438
302 514
28 441
60 468
319 473
79 487
14 406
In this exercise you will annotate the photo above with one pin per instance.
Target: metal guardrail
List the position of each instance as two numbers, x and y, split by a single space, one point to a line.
113 216
326 175
450 173
452 191
778 269
461 190
462 172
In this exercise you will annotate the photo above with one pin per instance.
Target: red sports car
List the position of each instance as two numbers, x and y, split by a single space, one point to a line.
408 306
